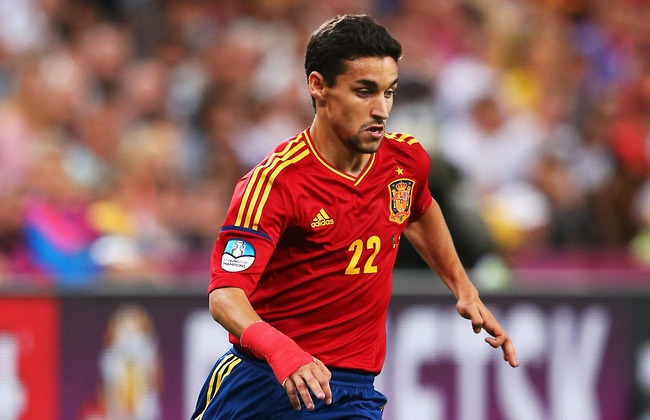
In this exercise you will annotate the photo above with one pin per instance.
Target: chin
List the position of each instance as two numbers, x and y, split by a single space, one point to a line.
365 144
369 148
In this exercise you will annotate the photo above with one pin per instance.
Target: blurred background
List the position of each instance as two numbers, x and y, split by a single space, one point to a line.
124 125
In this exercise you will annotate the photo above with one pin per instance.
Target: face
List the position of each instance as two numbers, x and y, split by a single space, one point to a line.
357 106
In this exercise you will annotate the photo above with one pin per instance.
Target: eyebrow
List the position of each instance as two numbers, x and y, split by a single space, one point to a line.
372 84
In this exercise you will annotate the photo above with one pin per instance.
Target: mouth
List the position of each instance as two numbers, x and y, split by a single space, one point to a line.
376 131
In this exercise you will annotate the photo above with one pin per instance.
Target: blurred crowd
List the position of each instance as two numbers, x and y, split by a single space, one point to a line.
125 124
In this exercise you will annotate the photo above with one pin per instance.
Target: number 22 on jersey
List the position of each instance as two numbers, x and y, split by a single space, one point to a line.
372 245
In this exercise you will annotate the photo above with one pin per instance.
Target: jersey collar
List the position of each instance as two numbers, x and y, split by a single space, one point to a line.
355 179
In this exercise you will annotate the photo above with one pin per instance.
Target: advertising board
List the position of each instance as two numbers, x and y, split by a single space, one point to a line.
146 356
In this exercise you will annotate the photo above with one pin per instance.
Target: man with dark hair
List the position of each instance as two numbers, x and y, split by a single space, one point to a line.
343 39
302 267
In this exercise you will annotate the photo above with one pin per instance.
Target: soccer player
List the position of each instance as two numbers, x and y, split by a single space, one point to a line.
302 267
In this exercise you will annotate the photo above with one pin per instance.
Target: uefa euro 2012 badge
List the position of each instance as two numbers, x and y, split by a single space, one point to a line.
237 256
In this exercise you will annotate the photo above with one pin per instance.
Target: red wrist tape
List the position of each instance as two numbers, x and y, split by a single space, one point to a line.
282 353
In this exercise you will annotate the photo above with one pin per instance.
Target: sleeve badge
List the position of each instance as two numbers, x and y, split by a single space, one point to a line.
237 256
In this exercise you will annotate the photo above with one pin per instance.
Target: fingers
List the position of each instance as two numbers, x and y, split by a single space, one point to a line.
509 354
305 396
292 393
312 377
325 384
477 324
499 337
472 313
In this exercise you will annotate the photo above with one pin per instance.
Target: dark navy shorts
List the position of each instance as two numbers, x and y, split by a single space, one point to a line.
239 387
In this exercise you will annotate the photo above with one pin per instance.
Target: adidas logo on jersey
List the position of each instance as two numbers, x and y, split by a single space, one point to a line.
322 219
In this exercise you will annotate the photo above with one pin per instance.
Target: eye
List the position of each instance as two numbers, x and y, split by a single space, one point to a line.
363 93
389 94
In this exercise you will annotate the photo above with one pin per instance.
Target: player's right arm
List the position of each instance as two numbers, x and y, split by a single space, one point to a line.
230 307
244 246
259 212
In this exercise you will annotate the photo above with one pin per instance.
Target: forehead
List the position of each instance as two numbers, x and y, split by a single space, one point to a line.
381 70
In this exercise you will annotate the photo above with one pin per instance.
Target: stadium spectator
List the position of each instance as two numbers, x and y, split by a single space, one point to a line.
154 109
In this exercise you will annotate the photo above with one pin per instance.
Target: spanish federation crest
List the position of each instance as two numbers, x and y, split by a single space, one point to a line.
401 193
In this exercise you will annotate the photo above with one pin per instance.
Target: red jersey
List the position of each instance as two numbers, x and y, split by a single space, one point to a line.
314 248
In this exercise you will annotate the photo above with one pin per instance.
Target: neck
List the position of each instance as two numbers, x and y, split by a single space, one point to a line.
335 152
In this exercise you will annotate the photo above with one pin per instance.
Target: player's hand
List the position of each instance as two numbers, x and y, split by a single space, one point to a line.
473 309
312 376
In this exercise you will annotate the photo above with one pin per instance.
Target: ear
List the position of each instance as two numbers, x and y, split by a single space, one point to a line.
317 85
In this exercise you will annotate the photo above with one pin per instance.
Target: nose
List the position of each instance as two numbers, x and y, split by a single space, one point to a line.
380 108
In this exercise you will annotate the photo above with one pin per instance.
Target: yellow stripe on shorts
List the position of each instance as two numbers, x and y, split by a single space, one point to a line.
223 369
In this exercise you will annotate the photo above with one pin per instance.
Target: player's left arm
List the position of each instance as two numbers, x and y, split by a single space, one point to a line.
430 236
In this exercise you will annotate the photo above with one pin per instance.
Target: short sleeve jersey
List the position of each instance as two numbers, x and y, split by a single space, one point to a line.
313 248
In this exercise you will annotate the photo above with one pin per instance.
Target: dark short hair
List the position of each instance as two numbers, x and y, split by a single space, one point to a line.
346 38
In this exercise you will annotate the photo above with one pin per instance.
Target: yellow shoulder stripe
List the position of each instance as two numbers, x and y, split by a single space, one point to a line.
261 181
402 138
